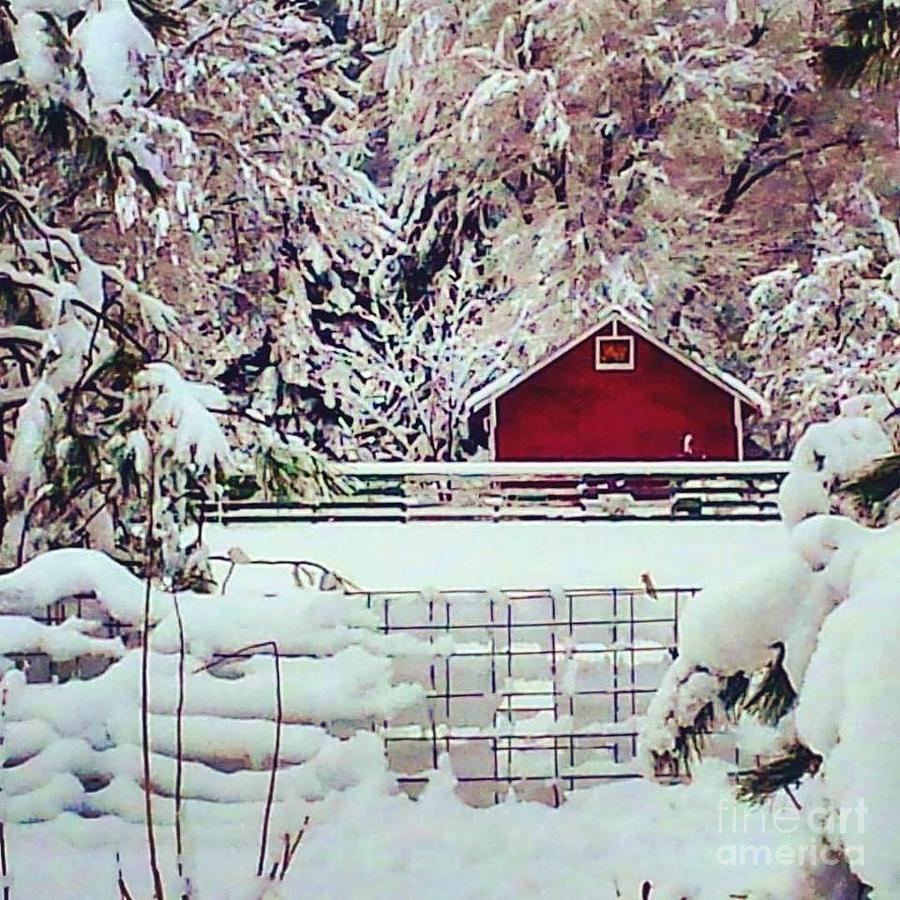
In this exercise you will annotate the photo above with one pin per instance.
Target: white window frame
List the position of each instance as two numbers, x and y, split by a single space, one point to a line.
613 367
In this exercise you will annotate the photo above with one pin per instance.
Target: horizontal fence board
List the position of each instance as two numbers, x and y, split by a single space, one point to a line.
437 492
743 469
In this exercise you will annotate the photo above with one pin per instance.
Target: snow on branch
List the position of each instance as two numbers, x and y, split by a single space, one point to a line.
180 413
70 572
68 641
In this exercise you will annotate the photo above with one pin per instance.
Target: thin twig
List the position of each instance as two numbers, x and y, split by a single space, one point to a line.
88 358
228 577
3 870
124 893
179 745
285 855
145 690
286 863
64 236
270 797
794 800
279 721
745 181
115 327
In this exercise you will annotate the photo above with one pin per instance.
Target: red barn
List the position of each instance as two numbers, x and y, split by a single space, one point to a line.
615 393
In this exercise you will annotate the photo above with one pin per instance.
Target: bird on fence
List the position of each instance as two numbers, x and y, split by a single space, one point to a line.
649 586
238 556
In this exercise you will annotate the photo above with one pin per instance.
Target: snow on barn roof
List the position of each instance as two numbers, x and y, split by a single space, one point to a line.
723 380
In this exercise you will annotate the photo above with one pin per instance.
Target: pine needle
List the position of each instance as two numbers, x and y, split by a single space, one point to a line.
775 695
877 481
757 785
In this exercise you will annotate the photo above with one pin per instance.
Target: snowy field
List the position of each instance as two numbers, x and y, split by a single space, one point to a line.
365 838
510 554
601 845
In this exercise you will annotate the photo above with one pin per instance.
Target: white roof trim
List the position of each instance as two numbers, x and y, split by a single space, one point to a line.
722 380
485 394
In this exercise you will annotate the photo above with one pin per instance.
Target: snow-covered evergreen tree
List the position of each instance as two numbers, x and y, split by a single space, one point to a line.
803 641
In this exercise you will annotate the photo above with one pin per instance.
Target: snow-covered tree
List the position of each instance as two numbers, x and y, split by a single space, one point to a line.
804 642
93 426
552 156
409 375
362 213
285 253
181 167
826 330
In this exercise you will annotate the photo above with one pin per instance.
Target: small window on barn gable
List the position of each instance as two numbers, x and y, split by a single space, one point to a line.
614 353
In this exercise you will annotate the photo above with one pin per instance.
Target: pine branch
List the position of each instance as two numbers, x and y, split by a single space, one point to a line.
772 699
775 695
781 772
877 481
734 693
690 740
869 50
156 17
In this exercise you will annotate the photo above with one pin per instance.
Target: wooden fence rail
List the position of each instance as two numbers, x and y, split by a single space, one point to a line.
406 492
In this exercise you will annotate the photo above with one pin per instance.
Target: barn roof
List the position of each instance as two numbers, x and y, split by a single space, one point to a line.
722 380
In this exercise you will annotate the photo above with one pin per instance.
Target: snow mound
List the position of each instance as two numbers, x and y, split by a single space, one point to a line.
70 572
220 713
849 715
827 453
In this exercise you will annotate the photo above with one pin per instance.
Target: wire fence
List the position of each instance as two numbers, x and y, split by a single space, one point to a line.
41 667
540 689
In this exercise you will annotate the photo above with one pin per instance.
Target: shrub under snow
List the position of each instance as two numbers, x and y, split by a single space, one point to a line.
823 613
75 747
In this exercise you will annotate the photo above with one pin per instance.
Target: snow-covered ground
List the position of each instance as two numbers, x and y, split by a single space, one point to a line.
511 554
364 843
366 839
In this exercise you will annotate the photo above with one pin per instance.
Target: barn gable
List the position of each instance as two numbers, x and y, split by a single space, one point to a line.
616 392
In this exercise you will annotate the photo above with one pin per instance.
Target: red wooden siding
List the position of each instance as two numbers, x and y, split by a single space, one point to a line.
569 411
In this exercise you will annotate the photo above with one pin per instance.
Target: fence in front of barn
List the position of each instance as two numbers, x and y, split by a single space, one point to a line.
484 491
540 691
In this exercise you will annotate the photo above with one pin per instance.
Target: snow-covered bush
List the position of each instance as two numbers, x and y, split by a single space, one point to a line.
257 705
804 642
